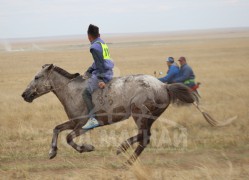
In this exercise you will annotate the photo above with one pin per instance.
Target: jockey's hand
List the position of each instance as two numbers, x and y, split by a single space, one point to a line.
101 85
86 75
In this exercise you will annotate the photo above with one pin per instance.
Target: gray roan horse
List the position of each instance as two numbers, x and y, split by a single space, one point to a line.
141 96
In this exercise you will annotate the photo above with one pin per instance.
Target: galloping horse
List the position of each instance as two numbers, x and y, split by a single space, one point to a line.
141 96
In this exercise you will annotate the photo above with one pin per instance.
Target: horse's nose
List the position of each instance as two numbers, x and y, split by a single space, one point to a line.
23 95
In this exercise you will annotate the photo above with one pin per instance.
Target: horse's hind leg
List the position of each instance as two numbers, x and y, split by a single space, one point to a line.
126 144
62 127
144 126
143 142
139 113
144 139
75 133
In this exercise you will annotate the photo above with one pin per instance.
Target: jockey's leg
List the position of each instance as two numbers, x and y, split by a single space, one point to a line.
92 85
87 96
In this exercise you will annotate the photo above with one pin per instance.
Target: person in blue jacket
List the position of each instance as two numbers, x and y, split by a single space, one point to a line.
172 72
186 74
100 73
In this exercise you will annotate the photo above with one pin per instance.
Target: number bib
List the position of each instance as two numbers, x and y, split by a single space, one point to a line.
105 49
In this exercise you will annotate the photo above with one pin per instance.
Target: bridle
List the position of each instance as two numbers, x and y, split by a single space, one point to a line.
52 88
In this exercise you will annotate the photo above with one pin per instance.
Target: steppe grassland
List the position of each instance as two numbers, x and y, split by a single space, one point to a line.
220 62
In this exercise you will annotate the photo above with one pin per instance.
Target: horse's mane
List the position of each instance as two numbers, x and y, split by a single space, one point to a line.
63 72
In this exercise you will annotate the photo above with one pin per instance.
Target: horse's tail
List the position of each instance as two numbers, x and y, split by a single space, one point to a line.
180 94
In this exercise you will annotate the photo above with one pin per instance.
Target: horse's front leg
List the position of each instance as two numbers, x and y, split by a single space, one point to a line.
65 126
84 147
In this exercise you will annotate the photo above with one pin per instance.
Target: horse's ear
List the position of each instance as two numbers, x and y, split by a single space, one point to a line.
48 66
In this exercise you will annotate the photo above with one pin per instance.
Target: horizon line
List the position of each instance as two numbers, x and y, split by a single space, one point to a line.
119 33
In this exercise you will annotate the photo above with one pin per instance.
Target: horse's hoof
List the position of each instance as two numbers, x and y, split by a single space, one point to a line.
85 148
52 154
89 148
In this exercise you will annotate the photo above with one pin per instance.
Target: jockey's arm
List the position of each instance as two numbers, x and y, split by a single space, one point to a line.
99 62
168 78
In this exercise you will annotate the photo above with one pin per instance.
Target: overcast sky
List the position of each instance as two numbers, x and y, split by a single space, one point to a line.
35 18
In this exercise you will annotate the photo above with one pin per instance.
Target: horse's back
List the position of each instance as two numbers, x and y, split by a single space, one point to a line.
123 91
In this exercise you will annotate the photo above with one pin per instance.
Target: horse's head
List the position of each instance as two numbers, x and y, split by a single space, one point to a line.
40 85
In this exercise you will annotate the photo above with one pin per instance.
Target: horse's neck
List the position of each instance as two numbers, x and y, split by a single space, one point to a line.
71 101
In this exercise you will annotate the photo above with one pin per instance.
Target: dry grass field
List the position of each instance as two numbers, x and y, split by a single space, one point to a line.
184 145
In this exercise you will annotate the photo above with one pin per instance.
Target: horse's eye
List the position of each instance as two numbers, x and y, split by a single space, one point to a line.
37 77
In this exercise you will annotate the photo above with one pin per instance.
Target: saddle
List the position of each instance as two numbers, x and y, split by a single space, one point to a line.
196 86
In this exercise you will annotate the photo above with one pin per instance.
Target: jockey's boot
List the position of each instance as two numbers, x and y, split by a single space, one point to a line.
91 123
